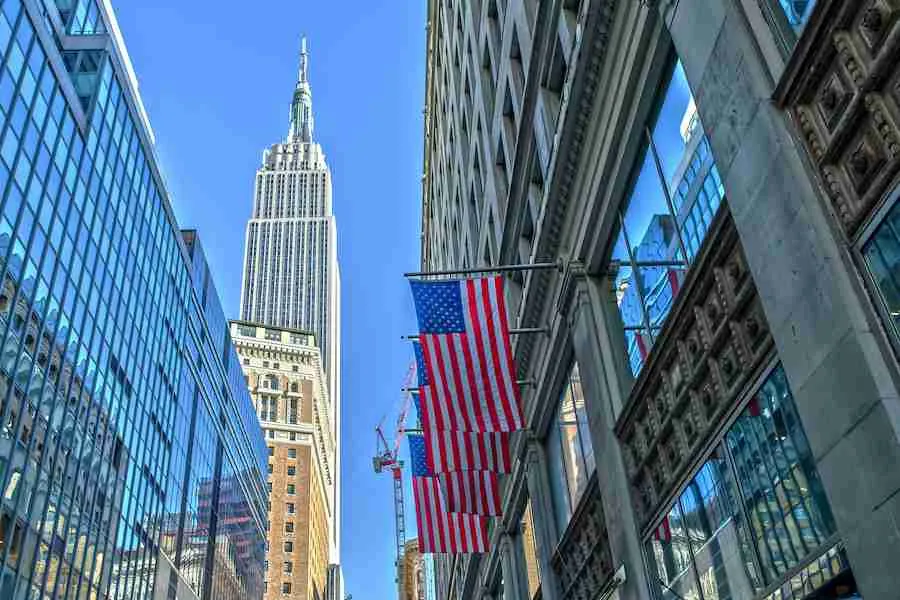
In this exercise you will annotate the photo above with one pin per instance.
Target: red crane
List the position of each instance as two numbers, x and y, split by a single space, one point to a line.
386 458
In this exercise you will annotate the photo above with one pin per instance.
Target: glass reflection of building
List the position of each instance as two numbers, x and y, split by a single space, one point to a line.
131 461
676 193
754 512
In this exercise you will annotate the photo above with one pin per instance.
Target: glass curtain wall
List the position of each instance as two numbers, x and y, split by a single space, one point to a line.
674 197
569 449
753 512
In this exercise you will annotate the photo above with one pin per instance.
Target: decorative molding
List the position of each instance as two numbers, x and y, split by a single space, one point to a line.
588 60
842 89
712 344
582 561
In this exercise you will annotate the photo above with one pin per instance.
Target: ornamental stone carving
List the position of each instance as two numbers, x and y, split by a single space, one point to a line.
714 342
582 560
842 88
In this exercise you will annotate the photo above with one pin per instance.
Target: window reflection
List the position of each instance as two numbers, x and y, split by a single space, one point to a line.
882 255
676 193
753 511
569 449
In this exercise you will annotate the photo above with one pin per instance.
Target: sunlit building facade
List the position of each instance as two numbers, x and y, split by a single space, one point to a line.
131 461
283 370
712 188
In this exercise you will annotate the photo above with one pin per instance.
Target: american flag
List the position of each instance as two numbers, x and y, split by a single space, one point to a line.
467 355
467 450
472 492
441 531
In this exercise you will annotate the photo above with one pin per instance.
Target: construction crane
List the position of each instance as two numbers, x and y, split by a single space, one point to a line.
386 459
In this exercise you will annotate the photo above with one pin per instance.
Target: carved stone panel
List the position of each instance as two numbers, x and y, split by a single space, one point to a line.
842 87
582 560
714 341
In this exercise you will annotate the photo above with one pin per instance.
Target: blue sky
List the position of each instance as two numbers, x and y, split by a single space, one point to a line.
217 78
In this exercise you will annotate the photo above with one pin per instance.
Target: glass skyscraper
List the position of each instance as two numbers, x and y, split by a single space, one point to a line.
131 461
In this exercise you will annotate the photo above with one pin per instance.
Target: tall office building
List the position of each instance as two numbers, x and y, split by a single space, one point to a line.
291 278
711 399
283 369
131 461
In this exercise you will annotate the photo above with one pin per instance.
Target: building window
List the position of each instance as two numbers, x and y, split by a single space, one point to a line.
569 450
291 489
289 527
270 468
271 451
882 255
292 453
289 546
788 18
273 336
285 588
289 508
288 567
292 470
246 330
753 512
529 547
675 194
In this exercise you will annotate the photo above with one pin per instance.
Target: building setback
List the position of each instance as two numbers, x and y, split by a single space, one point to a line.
131 461
284 372
291 278
713 413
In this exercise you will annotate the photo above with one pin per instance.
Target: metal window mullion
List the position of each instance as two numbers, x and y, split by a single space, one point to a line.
742 507
756 510
668 197
753 429
793 479
636 277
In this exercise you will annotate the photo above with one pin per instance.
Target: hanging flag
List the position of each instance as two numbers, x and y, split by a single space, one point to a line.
467 450
467 355
441 531
471 492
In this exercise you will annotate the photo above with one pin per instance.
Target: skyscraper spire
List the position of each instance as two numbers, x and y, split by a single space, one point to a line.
301 106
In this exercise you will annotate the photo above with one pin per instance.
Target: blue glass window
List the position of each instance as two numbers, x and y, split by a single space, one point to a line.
570 451
882 256
675 194
753 512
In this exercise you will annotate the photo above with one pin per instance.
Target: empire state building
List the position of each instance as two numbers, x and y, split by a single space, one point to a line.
290 277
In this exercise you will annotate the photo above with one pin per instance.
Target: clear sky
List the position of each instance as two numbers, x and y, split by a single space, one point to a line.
216 77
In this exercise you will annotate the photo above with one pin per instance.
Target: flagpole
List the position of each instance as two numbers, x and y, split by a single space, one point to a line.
494 269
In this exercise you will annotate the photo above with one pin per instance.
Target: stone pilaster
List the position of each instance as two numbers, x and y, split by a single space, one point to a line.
597 335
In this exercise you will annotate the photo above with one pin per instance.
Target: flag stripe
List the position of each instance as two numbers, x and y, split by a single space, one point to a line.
482 379
471 492
467 450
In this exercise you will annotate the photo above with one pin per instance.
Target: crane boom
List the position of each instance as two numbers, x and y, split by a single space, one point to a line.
386 458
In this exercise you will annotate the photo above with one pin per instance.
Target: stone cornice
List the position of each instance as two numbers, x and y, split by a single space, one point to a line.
588 58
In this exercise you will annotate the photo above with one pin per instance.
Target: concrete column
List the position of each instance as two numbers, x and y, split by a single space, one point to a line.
597 339
545 534
829 339
512 564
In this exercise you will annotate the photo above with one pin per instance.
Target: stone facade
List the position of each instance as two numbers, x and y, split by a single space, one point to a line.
545 122
287 385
